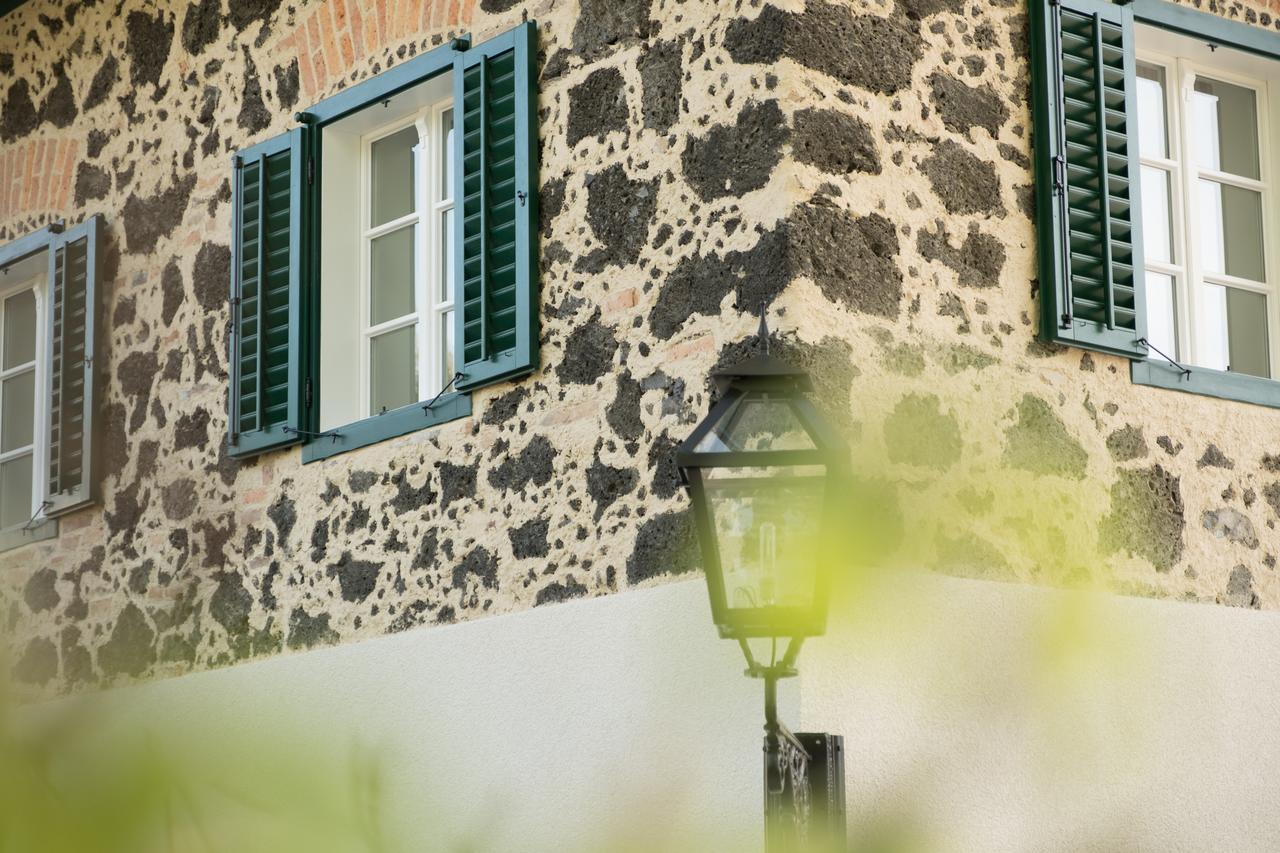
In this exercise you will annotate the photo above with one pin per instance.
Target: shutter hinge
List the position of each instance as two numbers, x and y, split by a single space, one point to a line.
306 393
1059 173
523 196
311 170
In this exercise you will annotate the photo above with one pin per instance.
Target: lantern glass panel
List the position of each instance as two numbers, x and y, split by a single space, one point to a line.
767 526
757 422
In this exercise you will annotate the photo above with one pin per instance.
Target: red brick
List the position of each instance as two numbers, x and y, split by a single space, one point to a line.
342 22
348 51
332 56
360 33
5 206
68 172
305 69
317 54
700 344
27 171
395 22
620 301
380 6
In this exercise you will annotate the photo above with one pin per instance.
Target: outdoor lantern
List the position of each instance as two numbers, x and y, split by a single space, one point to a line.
766 475
764 472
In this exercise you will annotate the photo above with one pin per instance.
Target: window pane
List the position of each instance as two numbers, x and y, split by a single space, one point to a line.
391 275
1153 137
15 491
1161 315
1231 230
1224 127
393 173
394 373
446 256
446 357
446 152
1157 219
1234 330
20 329
1247 332
17 411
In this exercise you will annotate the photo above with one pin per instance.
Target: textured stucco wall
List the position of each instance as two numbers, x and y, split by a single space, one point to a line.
495 734
972 722
862 168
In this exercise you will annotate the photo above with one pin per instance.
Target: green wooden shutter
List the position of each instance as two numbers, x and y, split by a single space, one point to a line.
74 264
496 146
265 400
1092 291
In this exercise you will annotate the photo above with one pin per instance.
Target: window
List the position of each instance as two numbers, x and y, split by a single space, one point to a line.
1203 123
21 439
48 306
1154 130
384 257
386 273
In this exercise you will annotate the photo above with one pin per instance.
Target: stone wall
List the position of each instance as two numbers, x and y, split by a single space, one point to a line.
861 168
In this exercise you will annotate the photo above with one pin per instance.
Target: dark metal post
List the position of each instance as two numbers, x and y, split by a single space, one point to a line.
804 803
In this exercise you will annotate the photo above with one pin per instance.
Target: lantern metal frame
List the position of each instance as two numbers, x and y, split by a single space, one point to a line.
804 803
769 378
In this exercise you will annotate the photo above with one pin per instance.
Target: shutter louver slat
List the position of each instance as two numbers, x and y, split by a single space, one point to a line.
496 290
265 397
1092 291
73 265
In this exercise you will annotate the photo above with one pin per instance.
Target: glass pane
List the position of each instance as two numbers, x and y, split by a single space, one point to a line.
1157 219
1231 230
446 256
393 175
1153 137
1234 331
17 411
391 275
20 329
1224 127
446 152
15 491
1247 332
768 523
1212 328
446 335
757 423
394 375
1161 315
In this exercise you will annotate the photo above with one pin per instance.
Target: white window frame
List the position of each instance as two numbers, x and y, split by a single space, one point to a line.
427 220
38 449
1186 267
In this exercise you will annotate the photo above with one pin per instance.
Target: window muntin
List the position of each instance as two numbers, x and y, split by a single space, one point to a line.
1202 129
21 445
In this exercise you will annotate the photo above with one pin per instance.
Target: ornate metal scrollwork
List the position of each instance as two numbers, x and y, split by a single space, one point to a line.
788 801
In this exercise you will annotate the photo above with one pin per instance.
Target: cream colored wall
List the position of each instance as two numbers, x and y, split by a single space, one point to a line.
979 717
982 716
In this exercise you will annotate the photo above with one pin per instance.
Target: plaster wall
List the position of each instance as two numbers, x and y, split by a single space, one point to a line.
862 169
977 716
